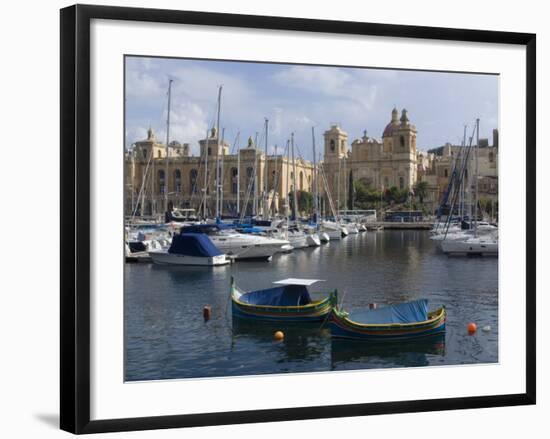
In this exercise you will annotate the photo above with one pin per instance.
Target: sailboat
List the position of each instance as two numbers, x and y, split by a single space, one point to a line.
472 245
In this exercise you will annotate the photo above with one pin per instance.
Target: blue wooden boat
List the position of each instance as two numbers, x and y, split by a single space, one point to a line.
289 301
393 322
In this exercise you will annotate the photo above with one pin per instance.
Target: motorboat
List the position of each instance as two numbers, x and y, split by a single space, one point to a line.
332 229
239 245
190 249
313 240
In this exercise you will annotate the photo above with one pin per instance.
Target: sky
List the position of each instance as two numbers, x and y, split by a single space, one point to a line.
295 98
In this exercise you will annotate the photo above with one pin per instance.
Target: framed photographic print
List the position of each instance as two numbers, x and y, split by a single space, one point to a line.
305 218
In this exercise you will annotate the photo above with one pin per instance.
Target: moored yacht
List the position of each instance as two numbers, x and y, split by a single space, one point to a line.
190 249
239 245
470 246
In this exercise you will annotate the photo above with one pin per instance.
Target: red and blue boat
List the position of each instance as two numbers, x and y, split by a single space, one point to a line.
392 322
288 301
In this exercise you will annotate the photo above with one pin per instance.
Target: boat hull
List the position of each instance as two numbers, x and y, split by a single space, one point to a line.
470 247
314 312
252 250
313 240
342 327
165 258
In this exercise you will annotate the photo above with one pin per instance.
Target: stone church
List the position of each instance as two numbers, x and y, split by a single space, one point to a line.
377 164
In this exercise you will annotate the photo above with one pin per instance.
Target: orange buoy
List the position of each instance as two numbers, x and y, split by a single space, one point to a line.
207 312
279 335
472 328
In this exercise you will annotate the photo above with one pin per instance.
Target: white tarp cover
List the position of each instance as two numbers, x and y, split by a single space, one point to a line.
295 281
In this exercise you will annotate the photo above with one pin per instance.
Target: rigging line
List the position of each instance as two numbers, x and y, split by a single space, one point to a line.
455 193
143 185
277 175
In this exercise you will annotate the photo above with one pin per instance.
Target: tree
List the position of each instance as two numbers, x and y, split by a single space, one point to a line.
305 202
421 190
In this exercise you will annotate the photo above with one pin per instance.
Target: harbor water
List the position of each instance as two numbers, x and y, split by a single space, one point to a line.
166 336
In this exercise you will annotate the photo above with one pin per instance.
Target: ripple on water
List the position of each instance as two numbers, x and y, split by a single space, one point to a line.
166 336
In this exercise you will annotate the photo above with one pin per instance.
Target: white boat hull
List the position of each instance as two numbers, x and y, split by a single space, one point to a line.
324 237
164 258
313 240
250 250
472 246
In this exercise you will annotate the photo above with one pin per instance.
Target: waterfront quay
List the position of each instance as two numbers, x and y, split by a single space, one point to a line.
167 337
394 225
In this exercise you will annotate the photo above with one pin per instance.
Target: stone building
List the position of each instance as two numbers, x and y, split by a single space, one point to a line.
379 164
152 179
438 166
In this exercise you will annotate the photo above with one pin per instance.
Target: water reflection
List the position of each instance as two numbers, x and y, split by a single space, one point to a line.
166 336
346 354
302 341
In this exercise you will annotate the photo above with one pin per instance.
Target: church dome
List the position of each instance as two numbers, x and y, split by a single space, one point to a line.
388 131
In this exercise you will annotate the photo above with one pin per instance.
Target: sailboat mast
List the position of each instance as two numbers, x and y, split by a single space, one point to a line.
338 197
167 143
295 210
476 177
265 197
238 180
221 174
315 187
205 187
287 192
255 198
218 153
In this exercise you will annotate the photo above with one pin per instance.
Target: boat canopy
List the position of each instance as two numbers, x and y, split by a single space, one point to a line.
296 281
200 228
193 244
408 312
286 295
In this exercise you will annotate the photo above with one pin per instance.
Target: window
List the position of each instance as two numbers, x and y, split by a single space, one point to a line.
159 153
402 141
446 172
161 181
332 145
177 181
401 182
491 157
234 180
193 180
301 181
144 151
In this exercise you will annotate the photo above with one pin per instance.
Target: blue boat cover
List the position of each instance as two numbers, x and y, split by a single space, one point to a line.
408 312
200 228
193 244
286 295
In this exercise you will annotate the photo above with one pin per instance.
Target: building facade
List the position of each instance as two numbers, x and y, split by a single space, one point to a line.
157 177
251 181
379 164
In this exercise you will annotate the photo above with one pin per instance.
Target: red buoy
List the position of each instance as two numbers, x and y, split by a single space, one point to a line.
472 328
207 312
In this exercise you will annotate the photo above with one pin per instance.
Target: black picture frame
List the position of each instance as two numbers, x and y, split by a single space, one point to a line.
75 217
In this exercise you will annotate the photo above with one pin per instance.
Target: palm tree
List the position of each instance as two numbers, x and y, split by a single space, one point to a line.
421 190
